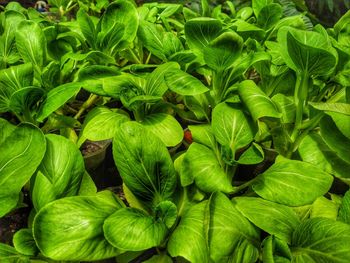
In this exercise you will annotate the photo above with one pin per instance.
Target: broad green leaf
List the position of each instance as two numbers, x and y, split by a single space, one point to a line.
253 155
232 238
200 32
343 108
87 185
22 152
25 100
286 106
257 5
202 166
275 219
275 250
100 124
232 127
323 207
342 122
125 13
189 238
269 15
71 228
24 242
56 98
166 212
258 103
183 83
60 172
87 26
203 134
151 36
307 52
9 254
292 183
335 139
247 30
165 126
31 43
222 51
110 41
323 156
344 209
12 80
321 240
6 128
156 85
133 230
96 72
144 164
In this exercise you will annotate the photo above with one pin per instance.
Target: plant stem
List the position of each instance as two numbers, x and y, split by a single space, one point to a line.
87 104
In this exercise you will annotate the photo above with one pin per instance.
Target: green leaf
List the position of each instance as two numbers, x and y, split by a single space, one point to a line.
183 83
87 185
144 164
323 207
189 238
9 254
321 240
6 128
232 127
322 156
56 98
307 52
71 228
22 152
342 122
203 134
201 165
257 5
151 36
200 32
292 183
275 250
87 26
156 85
286 106
165 126
253 155
258 103
247 30
223 51
166 212
25 100
60 172
344 209
335 139
269 16
24 242
124 13
31 43
132 229
343 108
12 80
100 124
275 219
232 238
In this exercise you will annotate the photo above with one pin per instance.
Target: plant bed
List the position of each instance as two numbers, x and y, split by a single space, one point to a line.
170 132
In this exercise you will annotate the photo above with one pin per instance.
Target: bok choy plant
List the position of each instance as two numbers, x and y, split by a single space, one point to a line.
262 94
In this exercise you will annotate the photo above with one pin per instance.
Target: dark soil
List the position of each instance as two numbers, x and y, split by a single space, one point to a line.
90 147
